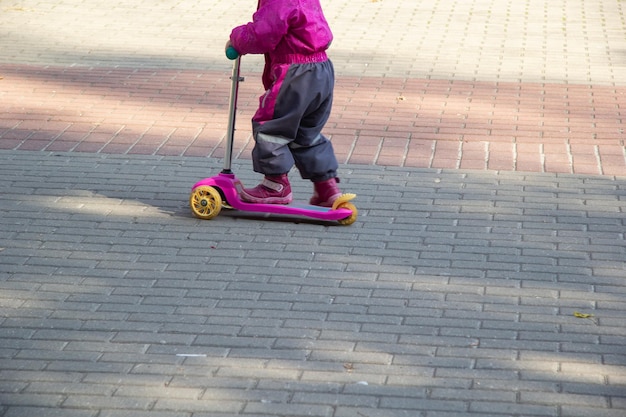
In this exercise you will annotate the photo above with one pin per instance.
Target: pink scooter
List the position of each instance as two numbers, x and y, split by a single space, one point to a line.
209 195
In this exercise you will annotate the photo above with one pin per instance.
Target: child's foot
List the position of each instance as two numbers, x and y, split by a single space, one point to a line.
273 189
325 193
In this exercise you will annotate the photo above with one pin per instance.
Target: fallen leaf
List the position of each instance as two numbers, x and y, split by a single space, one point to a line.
585 316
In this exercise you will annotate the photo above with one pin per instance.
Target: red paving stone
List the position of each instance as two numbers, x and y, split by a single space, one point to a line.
384 121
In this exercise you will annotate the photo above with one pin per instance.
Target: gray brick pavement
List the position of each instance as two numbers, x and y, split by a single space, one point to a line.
454 294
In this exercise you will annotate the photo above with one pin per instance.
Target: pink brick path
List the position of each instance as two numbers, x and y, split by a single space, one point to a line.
376 120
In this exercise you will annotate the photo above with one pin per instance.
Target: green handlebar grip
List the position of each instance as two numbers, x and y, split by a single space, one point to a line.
231 53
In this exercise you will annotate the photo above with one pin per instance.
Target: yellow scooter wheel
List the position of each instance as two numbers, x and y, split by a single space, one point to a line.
344 202
351 218
205 202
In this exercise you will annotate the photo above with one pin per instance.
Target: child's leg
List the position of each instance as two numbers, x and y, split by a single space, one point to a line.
273 129
313 153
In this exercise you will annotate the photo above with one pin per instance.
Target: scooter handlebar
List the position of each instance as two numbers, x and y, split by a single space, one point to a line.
231 53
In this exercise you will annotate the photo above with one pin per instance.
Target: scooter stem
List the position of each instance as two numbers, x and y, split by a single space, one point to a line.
232 110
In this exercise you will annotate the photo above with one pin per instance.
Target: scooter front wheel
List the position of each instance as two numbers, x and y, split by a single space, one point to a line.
205 202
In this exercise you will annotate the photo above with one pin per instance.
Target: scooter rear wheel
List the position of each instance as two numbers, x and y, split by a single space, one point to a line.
205 202
351 218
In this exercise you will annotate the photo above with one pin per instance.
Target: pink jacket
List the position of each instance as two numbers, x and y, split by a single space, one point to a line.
286 31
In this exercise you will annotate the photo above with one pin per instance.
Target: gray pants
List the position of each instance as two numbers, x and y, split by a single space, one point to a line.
288 125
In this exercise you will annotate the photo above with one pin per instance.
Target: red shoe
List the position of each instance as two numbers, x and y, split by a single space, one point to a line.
325 193
274 189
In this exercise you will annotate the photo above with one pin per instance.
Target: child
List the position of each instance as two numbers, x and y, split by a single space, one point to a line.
299 81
